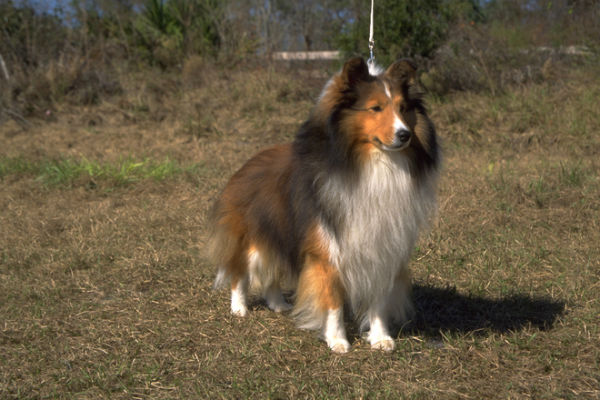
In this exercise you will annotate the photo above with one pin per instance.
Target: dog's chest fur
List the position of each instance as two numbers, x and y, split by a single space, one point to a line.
380 214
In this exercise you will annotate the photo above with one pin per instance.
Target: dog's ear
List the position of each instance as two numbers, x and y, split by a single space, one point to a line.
402 73
354 71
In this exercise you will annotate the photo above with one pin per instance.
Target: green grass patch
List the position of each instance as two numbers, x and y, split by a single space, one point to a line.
15 165
69 171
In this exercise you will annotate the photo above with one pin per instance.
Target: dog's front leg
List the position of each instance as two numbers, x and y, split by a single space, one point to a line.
379 336
335 333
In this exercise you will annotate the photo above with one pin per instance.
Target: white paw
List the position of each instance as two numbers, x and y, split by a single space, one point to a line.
238 305
238 300
385 343
339 345
279 306
239 310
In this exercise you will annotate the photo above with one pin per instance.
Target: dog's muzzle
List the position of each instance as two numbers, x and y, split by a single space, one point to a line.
401 141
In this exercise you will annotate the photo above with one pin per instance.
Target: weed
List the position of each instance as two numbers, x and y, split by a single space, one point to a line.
572 174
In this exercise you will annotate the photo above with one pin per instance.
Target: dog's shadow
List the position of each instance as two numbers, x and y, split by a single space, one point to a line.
440 310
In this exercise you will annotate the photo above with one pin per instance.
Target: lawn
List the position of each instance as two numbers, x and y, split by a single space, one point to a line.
106 291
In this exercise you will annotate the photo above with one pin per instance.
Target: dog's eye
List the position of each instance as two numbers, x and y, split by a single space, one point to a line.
376 109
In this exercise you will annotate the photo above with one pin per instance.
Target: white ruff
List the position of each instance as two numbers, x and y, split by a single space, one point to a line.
381 216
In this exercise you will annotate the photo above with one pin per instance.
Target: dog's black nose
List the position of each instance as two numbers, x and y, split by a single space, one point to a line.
402 135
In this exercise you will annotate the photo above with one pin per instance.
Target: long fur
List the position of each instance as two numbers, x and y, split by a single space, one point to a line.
335 215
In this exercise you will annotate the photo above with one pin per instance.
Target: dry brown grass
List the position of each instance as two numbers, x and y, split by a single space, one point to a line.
105 291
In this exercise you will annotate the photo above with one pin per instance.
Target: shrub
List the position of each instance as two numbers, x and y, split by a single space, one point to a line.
169 31
514 47
406 27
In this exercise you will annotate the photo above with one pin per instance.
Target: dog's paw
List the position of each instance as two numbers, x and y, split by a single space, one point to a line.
239 306
280 307
239 310
276 301
339 345
385 344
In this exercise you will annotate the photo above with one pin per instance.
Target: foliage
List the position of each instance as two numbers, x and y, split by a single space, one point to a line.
169 30
406 27
86 52
547 23
518 44
309 24
28 37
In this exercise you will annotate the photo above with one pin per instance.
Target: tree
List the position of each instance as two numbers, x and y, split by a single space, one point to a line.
172 29
310 24
403 27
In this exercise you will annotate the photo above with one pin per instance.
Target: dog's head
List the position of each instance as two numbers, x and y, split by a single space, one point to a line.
372 112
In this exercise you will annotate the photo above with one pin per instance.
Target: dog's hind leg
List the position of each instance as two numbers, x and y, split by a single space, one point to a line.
239 292
238 270
275 300
265 272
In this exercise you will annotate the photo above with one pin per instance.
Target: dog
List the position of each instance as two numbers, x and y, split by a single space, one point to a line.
335 214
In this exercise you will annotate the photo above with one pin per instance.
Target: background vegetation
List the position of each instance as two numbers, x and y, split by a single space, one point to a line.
80 51
120 122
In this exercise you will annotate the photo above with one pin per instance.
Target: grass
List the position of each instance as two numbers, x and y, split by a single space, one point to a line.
107 293
67 171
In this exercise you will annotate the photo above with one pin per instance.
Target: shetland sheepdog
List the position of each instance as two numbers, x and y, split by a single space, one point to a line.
335 214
